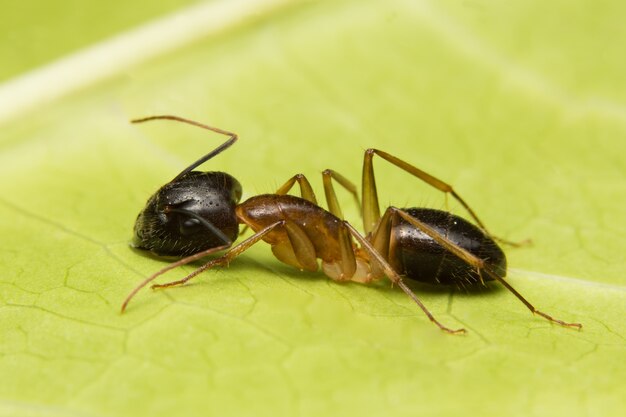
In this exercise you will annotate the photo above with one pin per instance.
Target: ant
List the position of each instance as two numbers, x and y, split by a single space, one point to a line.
198 213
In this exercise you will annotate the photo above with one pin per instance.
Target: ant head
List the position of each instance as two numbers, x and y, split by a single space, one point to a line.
194 212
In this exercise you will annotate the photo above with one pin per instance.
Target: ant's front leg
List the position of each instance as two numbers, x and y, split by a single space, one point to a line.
328 175
226 258
306 191
180 262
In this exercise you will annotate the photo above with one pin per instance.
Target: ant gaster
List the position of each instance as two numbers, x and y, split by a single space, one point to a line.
198 213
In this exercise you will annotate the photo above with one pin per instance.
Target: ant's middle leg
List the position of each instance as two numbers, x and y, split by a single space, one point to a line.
371 208
380 264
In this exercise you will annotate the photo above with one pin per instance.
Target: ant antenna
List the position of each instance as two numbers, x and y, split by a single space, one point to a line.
214 152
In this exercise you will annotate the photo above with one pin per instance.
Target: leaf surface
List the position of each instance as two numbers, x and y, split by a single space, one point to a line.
520 105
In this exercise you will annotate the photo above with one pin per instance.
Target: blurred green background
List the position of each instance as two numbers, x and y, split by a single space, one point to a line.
520 105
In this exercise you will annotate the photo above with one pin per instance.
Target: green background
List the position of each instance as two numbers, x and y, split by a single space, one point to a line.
520 105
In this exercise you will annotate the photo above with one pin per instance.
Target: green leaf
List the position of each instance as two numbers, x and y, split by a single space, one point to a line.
519 105
35 32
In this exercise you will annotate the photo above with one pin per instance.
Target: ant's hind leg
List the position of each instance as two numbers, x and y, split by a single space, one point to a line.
473 261
371 208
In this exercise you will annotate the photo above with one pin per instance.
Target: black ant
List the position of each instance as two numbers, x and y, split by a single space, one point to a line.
198 213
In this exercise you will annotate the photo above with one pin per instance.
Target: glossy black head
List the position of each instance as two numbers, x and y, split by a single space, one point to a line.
193 213
417 256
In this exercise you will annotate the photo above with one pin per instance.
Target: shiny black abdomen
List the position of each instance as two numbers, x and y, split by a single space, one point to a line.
210 195
417 256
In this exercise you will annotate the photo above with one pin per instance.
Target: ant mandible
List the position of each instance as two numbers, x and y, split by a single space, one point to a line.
198 213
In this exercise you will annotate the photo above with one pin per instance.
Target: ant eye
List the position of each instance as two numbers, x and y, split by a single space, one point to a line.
189 226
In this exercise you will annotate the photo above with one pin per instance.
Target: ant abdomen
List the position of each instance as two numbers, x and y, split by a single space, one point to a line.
417 256
192 213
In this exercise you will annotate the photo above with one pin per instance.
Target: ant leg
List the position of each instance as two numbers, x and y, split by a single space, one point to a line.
225 259
298 250
232 139
476 262
371 207
329 190
348 258
180 262
306 191
396 279
347 267
371 210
